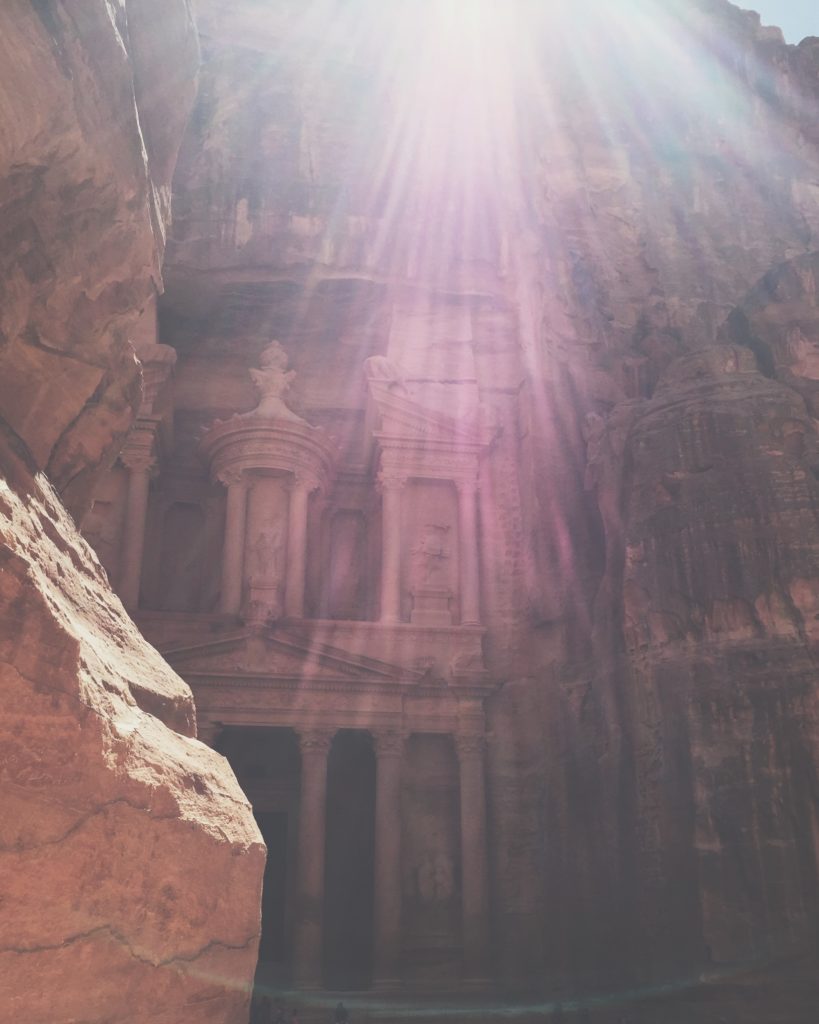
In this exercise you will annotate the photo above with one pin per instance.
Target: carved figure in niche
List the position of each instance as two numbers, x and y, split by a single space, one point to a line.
265 574
434 878
266 556
430 556
272 381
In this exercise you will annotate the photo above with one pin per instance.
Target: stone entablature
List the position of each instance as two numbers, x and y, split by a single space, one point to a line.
441 660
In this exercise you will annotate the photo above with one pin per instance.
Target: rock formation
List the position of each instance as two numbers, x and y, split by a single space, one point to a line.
129 861
532 600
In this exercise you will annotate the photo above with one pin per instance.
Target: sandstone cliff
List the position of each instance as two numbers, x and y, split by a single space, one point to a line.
651 577
130 865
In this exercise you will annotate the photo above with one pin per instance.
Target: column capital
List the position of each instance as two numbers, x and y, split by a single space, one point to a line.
230 476
315 741
140 452
303 480
391 480
470 747
138 461
388 744
467 486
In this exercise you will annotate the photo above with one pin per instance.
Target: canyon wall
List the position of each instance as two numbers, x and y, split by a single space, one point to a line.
130 864
620 272
649 562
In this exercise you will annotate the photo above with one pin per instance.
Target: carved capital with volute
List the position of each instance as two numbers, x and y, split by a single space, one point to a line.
140 451
316 741
231 476
391 480
388 744
470 747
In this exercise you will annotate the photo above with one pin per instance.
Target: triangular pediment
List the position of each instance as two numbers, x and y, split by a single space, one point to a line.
281 656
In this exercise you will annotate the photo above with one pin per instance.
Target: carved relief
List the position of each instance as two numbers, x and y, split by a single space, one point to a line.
430 557
435 878
267 556
266 575
266 550
429 577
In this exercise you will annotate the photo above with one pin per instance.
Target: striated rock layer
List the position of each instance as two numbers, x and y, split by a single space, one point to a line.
130 865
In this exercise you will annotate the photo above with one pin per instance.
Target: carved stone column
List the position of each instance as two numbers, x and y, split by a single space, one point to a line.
469 564
389 749
140 465
315 746
474 870
391 486
297 546
233 548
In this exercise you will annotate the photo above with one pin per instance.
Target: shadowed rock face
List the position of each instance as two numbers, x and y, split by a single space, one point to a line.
130 864
93 98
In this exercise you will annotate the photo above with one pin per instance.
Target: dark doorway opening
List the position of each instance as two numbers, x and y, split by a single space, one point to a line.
267 765
348 908
273 944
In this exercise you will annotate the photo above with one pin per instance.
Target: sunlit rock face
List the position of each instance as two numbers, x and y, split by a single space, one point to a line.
130 864
551 227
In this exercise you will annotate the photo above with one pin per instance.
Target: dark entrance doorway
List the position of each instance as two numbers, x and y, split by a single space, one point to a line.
348 907
268 766
273 944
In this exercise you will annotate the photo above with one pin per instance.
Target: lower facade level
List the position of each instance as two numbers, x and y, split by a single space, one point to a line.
377 870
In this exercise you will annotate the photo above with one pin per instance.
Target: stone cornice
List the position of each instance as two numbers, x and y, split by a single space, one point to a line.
238 681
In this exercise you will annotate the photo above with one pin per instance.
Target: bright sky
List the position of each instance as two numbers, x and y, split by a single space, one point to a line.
796 18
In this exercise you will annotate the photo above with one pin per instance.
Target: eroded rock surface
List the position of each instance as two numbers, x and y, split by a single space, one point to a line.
129 860
93 99
602 293
130 864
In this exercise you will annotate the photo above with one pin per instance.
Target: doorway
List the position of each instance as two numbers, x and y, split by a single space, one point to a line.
268 767
349 864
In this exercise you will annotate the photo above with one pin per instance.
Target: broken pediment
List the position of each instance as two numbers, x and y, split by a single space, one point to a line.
423 410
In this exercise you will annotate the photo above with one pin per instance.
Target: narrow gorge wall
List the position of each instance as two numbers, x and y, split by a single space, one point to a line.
677 779
620 274
130 865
